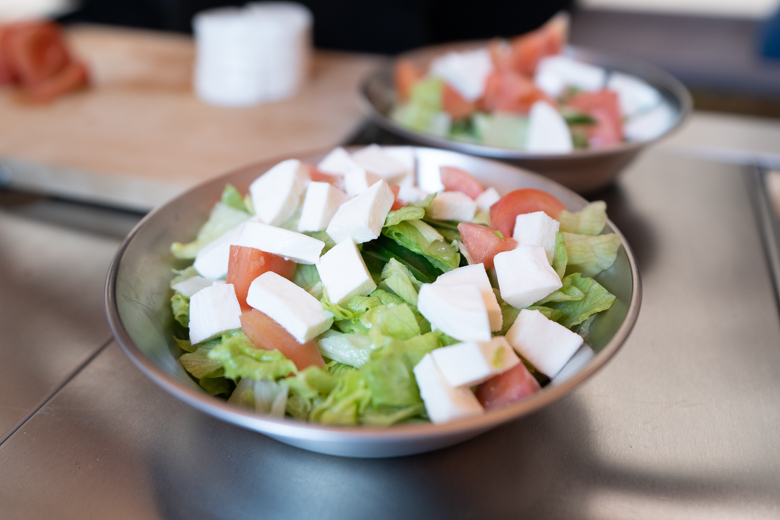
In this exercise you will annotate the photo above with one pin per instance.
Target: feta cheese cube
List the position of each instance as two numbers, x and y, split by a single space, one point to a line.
525 276
337 162
357 180
406 156
487 198
213 258
410 193
452 205
290 306
375 160
477 275
343 272
471 363
547 130
634 95
466 72
443 402
537 229
362 217
192 285
547 345
575 364
457 310
651 124
297 247
277 193
320 204
555 73
213 310
429 174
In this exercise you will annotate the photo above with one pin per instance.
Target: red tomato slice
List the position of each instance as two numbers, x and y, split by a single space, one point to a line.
483 244
7 72
247 263
72 77
455 179
406 75
397 203
337 181
528 49
603 106
518 202
38 52
455 105
506 388
266 334
509 91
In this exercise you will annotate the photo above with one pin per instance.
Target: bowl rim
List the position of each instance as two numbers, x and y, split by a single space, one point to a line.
303 430
639 68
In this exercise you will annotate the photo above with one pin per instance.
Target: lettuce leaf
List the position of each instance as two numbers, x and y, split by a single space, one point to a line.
560 256
350 349
183 274
377 253
596 299
240 358
438 252
345 403
412 211
231 197
397 278
389 415
223 218
568 292
180 305
308 278
590 221
394 320
590 255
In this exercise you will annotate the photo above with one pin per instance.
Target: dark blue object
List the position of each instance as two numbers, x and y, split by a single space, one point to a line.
770 37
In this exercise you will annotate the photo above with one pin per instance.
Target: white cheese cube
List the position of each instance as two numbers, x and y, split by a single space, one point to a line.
452 205
651 124
429 174
466 72
213 310
213 258
362 217
290 306
487 198
357 180
192 285
406 156
471 363
375 160
277 193
337 162
525 276
457 310
547 345
477 275
296 246
634 95
343 272
443 402
320 204
555 73
547 130
537 229
409 193
575 364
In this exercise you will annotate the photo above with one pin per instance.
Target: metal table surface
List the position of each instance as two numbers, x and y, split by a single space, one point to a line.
683 423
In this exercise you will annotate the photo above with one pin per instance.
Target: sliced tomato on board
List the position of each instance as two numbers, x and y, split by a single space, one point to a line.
483 243
397 203
265 333
73 76
247 263
406 75
604 107
528 49
455 179
507 387
528 200
509 91
455 104
37 51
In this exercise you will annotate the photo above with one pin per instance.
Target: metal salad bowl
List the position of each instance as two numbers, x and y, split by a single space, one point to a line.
583 171
138 307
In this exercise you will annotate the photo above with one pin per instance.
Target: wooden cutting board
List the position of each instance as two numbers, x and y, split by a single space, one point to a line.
139 135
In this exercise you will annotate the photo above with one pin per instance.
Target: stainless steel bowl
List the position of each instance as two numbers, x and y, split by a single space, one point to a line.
138 308
583 171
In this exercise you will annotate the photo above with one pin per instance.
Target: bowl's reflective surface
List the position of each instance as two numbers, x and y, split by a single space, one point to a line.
138 297
583 170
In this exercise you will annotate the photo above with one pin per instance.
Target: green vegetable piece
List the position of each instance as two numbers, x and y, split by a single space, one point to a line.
200 365
505 130
216 385
590 221
393 320
378 252
348 349
560 256
180 305
568 292
308 278
391 381
590 255
438 252
223 218
397 277
389 415
231 197
412 211
240 358
182 275
596 299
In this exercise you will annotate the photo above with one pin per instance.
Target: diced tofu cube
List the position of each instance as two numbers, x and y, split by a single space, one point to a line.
471 363
651 124
487 198
555 73
337 162
409 193
362 217
192 285
525 276
320 204
429 173
547 345
457 310
466 72
277 193
575 364
634 95
343 272
213 310
290 306
452 205
443 402
476 274
297 247
407 157
375 160
547 130
537 229
213 258
357 180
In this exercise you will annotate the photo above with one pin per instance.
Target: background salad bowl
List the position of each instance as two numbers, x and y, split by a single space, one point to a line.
138 307
581 170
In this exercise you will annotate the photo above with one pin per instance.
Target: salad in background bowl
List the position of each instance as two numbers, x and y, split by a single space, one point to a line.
354 309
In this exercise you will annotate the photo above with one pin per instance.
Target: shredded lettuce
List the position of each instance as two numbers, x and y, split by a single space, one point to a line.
595 299
180 305
183 275
412 211
349 349
308 278
590 221
398 279
240 358
589 254
223 218
438 252
231 197
560 256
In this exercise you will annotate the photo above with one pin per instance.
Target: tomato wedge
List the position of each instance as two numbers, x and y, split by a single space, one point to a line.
454 104
483 244
455 179
528 49
406 75
509 91
73 76
337 181
265 333
507 387
37 51
603 106
247 263
518 202
397 203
